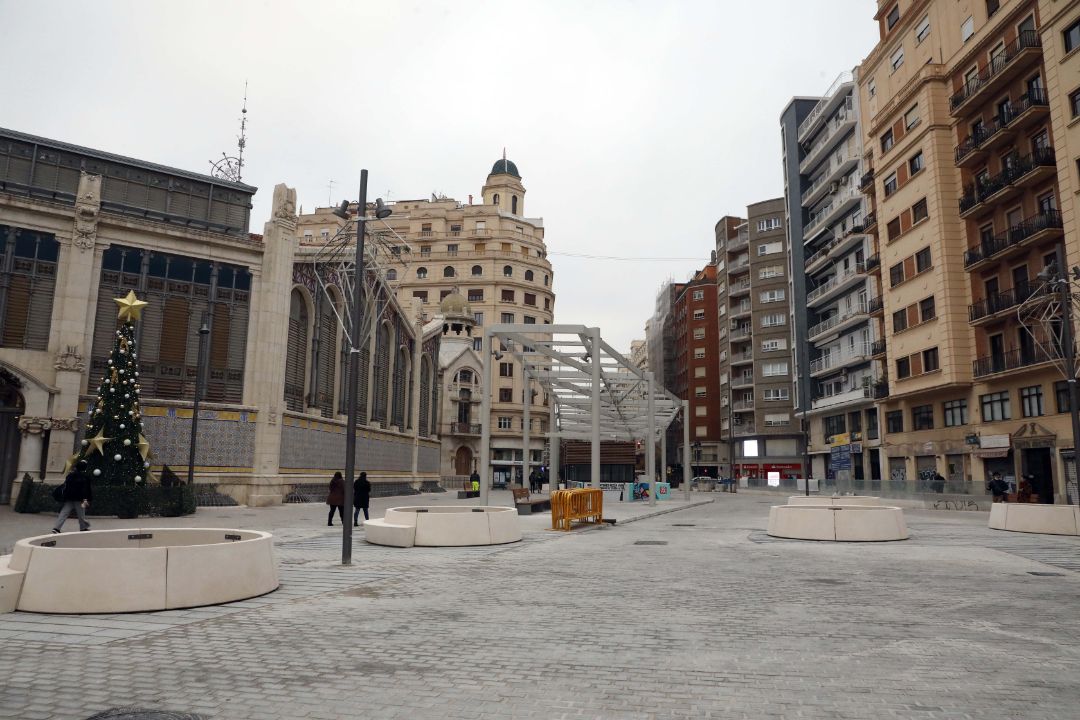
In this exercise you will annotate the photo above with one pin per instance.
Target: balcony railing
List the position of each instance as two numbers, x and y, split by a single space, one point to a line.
739 287
815 115
869 221
459 428
1050 219
1014 359
742 405
828 211
836 280
1016 171
854 311
867 180
740 333
877 348
875 305
745 429
998 65
874 261
839 358
1035 98
739 242
1004 300
828 136
741 357
742 381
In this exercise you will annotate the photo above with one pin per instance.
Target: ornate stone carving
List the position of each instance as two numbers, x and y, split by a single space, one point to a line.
34 425
87 212
271 417
70 360
285 206
66 424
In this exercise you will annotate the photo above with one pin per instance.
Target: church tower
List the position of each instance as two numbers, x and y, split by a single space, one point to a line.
504 189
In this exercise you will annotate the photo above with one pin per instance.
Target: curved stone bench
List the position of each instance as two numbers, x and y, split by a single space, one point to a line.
865 523
133 570
843 500
446 526
1034 518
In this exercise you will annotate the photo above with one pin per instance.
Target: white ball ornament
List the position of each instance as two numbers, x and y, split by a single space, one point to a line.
126 442
121 372
110 362
122 426
138 478
127 396
117 457
112 389
85 443
131 412
146 464
136 373
97 471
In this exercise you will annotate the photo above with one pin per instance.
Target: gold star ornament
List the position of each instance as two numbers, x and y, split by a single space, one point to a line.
144 447
70 463
98 441
130 306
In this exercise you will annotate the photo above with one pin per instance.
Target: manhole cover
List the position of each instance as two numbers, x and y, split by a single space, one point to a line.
651 542
683 525
139 714
826 581
1046 574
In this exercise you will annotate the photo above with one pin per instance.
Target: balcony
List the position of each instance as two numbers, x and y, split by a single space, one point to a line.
742 381
745 429
742 405
869 222
878 390
741 309
842 280
840 321
740 333
740 358
831 135
740 242
992 306
820 401
1010 360
1020 172
1034 229
873 262
1002 68
739 266
1011 118
459 428
829 102
877 348
832 170
840 359
840 203
866 182
738 288
875 305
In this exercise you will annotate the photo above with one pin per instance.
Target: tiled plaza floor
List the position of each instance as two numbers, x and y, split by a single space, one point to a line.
710 618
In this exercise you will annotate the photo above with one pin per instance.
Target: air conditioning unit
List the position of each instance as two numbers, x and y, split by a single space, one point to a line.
834 187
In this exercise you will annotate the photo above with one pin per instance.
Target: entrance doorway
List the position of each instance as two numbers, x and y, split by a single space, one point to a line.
11 407
1036 461
463 461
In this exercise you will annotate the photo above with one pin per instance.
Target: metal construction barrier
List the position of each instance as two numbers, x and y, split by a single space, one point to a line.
582 504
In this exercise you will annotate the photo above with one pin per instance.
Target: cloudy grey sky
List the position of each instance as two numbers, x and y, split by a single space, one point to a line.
635 125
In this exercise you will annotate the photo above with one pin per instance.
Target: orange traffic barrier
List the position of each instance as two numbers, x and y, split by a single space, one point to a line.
580 505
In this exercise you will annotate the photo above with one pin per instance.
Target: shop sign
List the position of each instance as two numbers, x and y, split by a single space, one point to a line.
995 441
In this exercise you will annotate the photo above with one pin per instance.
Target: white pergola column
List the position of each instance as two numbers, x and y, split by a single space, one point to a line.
526 427
663 455
650 438
686 446
594 353
485 418
554 442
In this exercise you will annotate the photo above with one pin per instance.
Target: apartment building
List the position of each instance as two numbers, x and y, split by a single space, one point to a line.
835 281
966 110
697 369
495 257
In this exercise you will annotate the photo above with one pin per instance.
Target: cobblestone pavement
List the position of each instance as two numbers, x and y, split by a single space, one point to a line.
693 614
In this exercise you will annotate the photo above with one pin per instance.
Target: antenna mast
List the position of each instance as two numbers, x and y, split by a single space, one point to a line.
232 168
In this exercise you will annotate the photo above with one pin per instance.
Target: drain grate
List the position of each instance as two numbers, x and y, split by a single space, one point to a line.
1046 574
651 542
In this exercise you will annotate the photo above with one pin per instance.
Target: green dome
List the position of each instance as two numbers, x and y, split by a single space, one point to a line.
505 167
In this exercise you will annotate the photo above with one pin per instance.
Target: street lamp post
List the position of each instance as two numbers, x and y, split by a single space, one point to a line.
1064 289
200 378
697 457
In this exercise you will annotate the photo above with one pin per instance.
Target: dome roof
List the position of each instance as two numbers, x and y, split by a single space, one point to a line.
455 306
505 167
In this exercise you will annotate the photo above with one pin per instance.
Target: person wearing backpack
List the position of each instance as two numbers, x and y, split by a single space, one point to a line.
75 493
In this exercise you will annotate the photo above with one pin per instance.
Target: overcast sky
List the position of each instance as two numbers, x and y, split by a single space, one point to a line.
635 125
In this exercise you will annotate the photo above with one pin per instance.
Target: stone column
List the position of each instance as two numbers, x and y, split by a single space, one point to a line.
269 333
413 419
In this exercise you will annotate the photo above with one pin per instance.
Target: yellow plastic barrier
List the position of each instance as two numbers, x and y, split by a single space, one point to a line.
581 504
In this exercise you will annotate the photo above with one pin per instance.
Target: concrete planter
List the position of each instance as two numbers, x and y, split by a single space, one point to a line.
835 500
1034 518
842 523
444 526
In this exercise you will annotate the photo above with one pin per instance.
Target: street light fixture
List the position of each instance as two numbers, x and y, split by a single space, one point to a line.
200 378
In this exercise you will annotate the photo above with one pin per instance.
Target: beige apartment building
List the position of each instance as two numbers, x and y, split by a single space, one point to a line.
966 108
494 256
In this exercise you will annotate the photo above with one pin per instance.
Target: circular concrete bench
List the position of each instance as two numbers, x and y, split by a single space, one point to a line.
844 523
446 526
111 571
844 500
1035 518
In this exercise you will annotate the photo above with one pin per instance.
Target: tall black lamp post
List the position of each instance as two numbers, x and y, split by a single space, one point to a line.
200 379
696 445
353 372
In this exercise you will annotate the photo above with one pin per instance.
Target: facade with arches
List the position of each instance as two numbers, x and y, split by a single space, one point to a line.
494 257
79 227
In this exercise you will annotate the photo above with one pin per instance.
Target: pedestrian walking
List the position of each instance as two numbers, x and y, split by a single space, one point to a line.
998 488
76 495
336 498
361 497
474 481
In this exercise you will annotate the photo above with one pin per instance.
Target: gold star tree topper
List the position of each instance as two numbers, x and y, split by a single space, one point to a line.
130 306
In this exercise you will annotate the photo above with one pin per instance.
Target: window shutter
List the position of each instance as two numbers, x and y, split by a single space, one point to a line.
324 393
382 375
916 363
296 354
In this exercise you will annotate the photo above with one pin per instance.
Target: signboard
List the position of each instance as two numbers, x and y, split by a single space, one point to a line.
856 447
841 439
840 458
640 491
995 441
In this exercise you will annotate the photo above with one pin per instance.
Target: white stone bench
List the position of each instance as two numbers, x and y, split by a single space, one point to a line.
844 500
381 532
843 523
10 584
1035 518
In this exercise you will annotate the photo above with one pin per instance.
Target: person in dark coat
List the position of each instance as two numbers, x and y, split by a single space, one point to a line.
998 488
361 497
77 496
336 498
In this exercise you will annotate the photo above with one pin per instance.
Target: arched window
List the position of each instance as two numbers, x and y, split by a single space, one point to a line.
464 376
495 199
382 374
325 360
448 271
425 396
464 406
513 204
477 271
391 274
508 271
529 275
421 273
296 352
545 279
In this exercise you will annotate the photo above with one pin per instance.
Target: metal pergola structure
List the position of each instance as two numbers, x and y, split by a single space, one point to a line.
595 394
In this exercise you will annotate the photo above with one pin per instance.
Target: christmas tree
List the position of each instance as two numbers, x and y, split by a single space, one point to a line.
115 449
